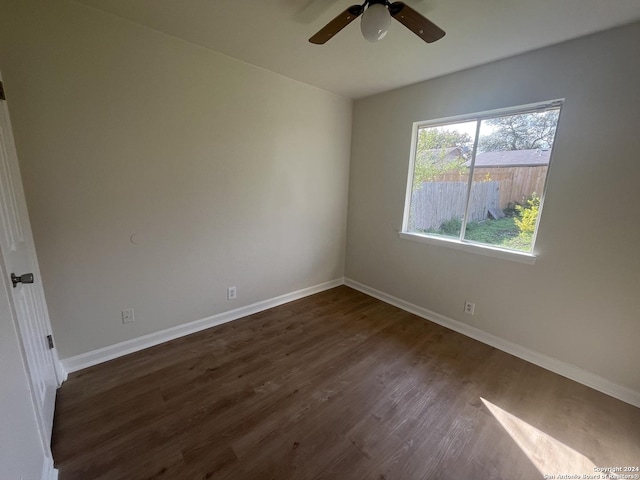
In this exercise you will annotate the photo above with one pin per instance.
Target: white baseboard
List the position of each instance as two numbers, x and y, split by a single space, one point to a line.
48 472
84 360
549 363
61 373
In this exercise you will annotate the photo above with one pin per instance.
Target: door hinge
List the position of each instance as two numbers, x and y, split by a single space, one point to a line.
50 340
2 97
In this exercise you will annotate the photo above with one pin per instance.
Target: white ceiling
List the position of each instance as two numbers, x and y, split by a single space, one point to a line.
273 34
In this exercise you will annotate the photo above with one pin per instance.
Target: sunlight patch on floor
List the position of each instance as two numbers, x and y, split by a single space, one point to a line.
550 456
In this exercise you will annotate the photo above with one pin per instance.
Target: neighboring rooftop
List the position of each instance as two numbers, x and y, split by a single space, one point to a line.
440 155
513 158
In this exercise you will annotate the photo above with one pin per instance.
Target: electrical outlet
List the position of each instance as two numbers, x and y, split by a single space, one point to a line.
127 315
231 293
469 307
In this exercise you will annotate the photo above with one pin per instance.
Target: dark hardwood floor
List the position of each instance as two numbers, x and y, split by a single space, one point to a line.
334 386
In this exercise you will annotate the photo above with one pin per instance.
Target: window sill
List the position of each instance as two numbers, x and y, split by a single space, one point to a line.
522 257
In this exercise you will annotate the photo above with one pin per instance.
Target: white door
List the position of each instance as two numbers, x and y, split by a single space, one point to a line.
27 299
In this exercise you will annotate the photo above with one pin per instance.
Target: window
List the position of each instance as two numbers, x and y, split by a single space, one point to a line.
479 179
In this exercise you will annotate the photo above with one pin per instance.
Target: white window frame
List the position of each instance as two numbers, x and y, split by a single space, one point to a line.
460 243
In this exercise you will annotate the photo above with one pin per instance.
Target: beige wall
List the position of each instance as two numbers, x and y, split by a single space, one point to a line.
579 302
227 174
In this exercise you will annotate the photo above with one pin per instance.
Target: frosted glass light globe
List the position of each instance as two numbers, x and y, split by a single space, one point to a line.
375 22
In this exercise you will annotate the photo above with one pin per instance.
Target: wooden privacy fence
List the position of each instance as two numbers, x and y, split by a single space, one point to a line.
516 183
438 202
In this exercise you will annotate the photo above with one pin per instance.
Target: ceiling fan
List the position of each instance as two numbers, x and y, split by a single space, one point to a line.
376 21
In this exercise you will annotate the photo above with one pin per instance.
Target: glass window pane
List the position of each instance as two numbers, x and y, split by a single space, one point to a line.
440 179
510 169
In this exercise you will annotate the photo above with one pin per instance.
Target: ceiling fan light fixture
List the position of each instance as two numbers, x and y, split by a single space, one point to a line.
375 22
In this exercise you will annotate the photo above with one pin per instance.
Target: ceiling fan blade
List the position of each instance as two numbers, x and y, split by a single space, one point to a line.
337 24
425 29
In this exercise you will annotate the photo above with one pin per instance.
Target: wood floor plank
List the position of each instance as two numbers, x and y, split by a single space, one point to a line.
334 386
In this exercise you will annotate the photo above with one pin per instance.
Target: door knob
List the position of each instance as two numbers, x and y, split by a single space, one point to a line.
24 278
